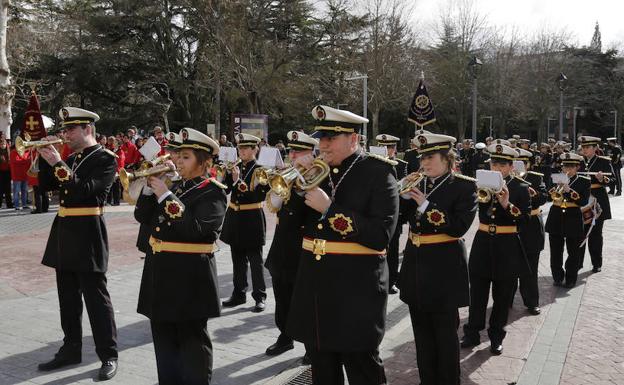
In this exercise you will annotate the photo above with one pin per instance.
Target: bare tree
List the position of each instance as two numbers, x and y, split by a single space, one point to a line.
7 91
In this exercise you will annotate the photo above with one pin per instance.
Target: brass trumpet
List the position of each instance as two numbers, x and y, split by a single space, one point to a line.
485 194
226 168
126 177
262 175
313 176
410 182
282 182
21 145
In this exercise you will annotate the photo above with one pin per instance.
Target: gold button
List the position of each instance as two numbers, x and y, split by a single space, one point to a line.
66 192
417 224
168 223
79 156
319 226
493 208
62 201
157 229
429 186
493 217
318 257
335 171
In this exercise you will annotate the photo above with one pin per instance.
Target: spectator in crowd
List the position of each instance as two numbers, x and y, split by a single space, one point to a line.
131 152
19 165
282 149
41 199
5 173
263 142
101 139
224 142
115 193
139 143
159 135
133 134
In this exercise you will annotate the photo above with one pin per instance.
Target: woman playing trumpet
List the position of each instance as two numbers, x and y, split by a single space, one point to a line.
565 222
434 274
179 289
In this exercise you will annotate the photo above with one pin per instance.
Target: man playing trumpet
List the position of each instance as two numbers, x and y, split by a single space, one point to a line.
496 257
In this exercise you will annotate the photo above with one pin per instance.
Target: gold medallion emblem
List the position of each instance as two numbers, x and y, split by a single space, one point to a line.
422 101
61 173
173 209
436 217
341 224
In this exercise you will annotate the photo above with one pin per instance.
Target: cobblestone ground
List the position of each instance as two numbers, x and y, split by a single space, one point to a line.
576 340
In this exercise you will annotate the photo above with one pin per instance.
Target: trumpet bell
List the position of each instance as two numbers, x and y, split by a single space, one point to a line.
282 182
22 145
409 183
484 195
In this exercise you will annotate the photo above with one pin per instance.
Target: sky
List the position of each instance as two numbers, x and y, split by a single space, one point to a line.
576 16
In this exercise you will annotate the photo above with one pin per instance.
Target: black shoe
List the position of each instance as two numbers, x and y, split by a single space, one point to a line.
306 360
534 310
618 194
35 211
558 283
279 347
569 285
596 269
393 289
108 370
496 348
58 362
260 306
467 342
234 301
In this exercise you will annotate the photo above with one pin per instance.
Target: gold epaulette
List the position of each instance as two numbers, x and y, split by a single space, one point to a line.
217 183
383 159
584 177
110 152
535 173
462 176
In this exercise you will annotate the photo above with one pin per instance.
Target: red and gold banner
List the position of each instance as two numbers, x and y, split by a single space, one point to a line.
33 122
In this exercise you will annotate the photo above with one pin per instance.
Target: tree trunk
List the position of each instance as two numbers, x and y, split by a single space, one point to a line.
7 90
375 128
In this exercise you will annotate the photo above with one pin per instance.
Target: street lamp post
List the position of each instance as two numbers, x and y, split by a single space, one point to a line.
561 79
615 122
490 118
475 67
576 110
364 79
548 133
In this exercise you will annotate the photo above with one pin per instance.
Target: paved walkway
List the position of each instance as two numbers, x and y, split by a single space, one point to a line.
576 340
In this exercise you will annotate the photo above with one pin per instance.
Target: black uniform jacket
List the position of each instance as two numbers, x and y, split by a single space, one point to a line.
501 256
434 277
413 160
400 171
615 153
245 228
598 189
343 297
568 222
532 231
285 252
179 286
79 243
480 160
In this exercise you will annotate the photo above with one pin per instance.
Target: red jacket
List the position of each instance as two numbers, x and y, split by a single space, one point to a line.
66 152
163 144
121 159
19 165
132 155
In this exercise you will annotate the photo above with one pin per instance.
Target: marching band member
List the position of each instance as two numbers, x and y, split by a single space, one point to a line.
179 289
399 171
285 252
339 303
496 257
78 244
615 153
411 155
434 273
598 165
565 221
244 227
532 234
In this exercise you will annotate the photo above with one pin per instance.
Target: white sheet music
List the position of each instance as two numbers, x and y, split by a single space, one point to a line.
379 150
228 154
150 149
560 178
490 179
270 157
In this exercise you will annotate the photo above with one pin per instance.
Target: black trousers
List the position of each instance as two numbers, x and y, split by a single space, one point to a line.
502 291
363 368
393 255
283 290
616 183
183 352
240 258
572 263
114 194
72 287
42 201
5 188
529 290
594 244
437 346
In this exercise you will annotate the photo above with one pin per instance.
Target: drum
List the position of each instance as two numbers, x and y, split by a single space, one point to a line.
591 210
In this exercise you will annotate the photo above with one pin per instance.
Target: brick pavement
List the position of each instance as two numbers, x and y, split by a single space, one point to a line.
30 330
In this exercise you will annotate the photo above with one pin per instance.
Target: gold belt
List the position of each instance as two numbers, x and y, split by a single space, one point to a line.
494 229
536 212
249 206
80 211
565 205
321 247
430 239
596 185
179 247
